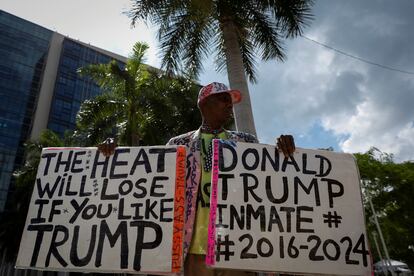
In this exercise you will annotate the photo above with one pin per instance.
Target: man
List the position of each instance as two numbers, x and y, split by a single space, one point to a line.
215 102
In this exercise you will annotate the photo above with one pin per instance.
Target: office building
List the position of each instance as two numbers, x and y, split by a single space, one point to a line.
39 87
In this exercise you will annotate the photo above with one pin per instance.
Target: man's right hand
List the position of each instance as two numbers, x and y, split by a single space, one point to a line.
108 146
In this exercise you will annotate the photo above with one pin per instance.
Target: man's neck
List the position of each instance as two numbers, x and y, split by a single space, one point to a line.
208 128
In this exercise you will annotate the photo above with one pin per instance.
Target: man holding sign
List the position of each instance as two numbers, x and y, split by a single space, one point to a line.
215 102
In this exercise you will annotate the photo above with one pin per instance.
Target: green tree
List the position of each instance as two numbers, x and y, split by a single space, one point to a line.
140 106
238 31
12 222
390 186
125 92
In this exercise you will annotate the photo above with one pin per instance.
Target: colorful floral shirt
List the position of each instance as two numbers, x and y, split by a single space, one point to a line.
192 141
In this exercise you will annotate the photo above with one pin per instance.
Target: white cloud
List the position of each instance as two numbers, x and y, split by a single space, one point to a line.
362 106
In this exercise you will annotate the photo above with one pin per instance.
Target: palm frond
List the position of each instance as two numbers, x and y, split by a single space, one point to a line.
247 52
97 117
265 35
186 28
220 59
198 46
247 47
135 64
173 40
143 9
110 77
292 16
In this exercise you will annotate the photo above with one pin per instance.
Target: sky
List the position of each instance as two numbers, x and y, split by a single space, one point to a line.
323 98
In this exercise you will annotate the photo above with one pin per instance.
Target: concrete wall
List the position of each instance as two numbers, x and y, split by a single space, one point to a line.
44 101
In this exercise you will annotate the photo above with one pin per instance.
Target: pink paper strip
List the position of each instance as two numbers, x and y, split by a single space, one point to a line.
211 246
64 148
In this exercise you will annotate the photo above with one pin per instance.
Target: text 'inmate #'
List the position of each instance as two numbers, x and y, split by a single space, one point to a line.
300 214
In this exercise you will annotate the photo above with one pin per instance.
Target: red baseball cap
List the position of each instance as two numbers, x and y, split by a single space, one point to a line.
216 88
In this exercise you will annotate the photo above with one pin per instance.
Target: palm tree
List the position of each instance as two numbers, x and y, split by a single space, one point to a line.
236 30
140 106
125 90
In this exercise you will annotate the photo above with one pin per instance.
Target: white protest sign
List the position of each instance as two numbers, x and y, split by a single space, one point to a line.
91 213
297 215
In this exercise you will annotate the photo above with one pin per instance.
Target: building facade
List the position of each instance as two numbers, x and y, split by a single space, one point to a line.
39 87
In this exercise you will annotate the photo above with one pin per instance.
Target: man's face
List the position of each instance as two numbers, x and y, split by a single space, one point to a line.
217 108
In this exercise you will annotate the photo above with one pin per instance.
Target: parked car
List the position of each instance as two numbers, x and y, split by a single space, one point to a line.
399 268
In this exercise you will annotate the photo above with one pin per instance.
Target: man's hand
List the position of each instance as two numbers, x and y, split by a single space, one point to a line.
108 146
286 144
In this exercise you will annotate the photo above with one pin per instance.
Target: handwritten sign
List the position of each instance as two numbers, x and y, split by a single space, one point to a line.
301 214
91 213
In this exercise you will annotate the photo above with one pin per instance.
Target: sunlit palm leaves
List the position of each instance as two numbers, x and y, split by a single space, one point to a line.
123 103
139 106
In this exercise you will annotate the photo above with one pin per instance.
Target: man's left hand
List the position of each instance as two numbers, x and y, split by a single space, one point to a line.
286 144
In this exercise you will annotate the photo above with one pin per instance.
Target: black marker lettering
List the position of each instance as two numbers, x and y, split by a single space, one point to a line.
307 190
161 156
77 161
48 157
255 155
97 163
140 245
65 163
305 164
40 229
143 192
331 192
104 196
291 162
78 208
74 256
300 219
289 211
120 232
322 171
233 157
121 207
54 244
145 161
224 177
115 163
250 189
46 189
154 186
273 161
164 209
53 210
269 190
38 218
234 216
274 219
258 213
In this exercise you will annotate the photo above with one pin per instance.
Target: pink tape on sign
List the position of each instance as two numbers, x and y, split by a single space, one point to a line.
211 246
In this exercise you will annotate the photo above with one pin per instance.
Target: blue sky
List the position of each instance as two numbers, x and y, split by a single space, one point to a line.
321 97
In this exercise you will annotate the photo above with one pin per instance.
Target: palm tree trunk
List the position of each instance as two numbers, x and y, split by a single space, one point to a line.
237 78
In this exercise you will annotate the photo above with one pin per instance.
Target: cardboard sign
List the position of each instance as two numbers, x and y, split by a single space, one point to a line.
91 213
302 214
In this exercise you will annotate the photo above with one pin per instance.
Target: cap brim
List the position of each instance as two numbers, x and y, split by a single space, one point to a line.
236 96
